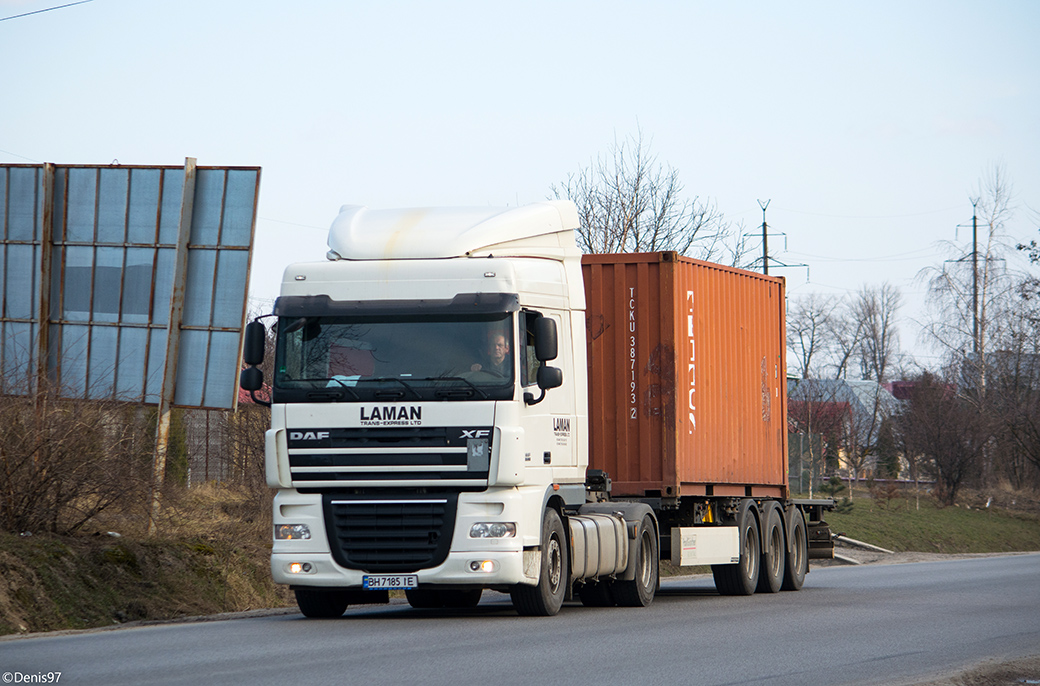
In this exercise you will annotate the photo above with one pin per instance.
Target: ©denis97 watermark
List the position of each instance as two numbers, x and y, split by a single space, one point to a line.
31 677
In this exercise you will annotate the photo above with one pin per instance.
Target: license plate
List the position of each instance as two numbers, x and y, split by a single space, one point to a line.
389 582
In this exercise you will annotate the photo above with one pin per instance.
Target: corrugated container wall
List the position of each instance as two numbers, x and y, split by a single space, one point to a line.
687 378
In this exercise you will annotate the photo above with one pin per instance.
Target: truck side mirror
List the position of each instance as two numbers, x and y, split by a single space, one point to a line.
549 377
255 340
251 379
545 341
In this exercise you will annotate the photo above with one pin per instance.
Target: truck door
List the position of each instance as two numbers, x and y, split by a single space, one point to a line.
549 425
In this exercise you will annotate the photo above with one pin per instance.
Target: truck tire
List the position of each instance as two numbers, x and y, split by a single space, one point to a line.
639 592
319 604
546 598
797 554
774 558
741 578
596 594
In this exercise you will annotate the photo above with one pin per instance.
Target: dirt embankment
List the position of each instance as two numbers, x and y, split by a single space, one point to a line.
993 673
51 583
211 554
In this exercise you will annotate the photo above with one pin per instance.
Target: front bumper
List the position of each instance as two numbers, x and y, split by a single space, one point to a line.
510 556
455 571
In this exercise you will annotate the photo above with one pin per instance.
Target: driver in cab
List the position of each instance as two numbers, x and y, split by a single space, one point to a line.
496 356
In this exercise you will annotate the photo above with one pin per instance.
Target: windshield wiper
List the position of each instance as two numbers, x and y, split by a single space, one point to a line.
347 388
444 393
395 379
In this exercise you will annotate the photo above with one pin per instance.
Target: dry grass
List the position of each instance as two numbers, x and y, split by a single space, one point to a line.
211 554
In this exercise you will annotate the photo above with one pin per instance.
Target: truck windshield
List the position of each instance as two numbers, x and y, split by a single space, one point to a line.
414 357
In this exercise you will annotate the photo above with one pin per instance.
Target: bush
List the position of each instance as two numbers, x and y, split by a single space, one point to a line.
63 462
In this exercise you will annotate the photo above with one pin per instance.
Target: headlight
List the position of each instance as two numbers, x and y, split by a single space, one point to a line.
493 530
291 532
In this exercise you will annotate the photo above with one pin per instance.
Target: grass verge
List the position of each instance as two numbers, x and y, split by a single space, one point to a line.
903 525
209 556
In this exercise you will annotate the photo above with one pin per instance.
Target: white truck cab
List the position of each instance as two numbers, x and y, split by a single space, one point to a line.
428 408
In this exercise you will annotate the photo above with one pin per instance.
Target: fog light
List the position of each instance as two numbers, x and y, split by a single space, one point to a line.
300 567
492 530
484 566
291 532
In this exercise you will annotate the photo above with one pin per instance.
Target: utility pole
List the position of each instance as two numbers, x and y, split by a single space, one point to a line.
765 238
765 246
975 275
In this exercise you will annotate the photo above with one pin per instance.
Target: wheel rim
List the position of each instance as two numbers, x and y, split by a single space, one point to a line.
775 546
555 566
645 560
799 548
750 560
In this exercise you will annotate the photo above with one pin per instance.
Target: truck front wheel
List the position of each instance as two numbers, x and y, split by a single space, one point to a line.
318 604
545 599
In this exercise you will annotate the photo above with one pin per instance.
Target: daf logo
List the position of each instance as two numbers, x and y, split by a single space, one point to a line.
475 433
308 435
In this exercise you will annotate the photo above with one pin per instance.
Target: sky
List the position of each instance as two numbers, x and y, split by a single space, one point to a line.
867 125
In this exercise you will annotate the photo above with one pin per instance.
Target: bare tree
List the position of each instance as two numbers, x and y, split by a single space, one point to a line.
628 201
816 411
809 332
864 430
1032 248
875 310
846 336
948 430
970 293
1013 387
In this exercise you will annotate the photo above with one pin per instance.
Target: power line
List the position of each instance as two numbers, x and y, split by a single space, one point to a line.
911 256
14 154
866 216
48 9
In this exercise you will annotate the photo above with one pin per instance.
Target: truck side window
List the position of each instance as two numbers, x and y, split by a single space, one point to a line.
529 364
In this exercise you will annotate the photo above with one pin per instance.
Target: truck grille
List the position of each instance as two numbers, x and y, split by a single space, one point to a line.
450 457
390 534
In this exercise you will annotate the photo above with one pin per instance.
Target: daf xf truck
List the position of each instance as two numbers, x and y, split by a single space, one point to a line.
461 401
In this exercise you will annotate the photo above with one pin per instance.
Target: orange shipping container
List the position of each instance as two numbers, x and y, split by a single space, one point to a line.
687 379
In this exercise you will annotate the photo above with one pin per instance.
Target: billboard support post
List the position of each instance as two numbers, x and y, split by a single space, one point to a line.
44 315
180 279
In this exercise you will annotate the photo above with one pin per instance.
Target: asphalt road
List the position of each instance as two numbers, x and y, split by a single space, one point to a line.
875 624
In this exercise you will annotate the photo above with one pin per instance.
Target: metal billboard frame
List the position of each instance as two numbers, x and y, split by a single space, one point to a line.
69 294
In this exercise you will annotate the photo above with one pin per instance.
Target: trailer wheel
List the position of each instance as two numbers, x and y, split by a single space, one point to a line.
596 594
639 592
318 604
545 599
771 572
797 555
741 578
